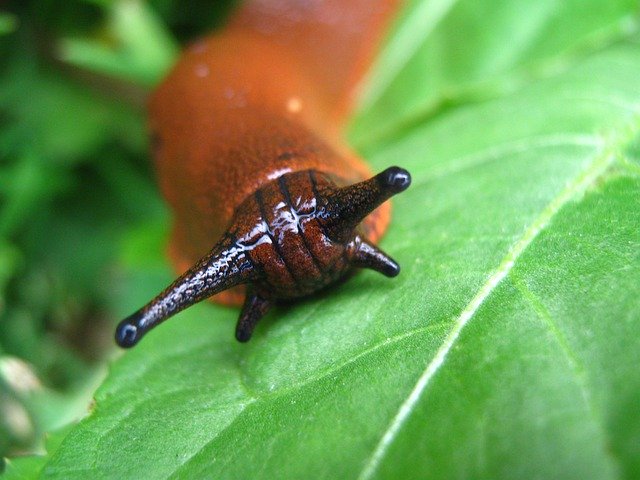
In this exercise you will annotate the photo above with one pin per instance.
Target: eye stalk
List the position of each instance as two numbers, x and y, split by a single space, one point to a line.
222 268
280 252
346 207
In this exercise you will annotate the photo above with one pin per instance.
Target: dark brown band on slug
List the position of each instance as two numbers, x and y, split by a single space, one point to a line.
294 236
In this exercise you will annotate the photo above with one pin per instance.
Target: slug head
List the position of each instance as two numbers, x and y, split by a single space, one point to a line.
292 237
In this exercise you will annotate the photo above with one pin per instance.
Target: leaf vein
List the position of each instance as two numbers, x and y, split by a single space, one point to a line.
226 428
593 170
324 374
542 312
577 367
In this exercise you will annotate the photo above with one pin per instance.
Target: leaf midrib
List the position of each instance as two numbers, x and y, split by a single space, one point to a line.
600 163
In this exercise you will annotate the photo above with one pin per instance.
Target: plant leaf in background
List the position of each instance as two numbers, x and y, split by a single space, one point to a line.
459 52
73 181
507 348
7 23
136 46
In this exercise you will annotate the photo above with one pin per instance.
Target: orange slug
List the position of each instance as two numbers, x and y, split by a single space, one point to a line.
247 138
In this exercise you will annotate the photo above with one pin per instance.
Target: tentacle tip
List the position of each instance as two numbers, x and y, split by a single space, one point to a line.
395 179
391 270
127 334
243 336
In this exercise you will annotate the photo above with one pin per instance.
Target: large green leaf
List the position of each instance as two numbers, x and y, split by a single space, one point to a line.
507 348
462 50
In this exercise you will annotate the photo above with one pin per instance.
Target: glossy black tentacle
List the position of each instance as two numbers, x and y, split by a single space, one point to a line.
346 207
255 307
369 256
225 266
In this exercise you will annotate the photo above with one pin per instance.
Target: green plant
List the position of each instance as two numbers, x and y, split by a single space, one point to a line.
507 348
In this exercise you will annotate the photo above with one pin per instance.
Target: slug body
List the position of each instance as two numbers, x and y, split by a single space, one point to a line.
247 140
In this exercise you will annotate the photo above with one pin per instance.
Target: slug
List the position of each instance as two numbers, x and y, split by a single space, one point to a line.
247 140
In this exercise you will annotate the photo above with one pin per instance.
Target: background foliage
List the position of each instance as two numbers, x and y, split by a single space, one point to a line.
81 222
508 348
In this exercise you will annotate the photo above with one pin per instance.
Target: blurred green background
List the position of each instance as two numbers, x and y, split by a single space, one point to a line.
80 216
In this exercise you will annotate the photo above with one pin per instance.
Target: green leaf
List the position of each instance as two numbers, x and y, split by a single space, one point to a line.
447 52
8 23
47 116
24 468
507 348
141 51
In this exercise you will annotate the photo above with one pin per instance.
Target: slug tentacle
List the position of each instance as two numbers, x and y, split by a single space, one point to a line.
346 207
255 307
369 256
248 147
226 265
